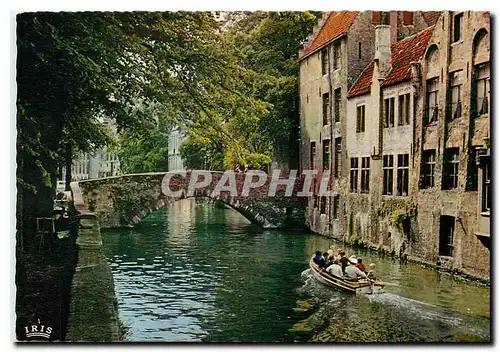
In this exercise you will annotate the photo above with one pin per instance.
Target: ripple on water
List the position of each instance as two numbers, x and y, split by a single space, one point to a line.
209 275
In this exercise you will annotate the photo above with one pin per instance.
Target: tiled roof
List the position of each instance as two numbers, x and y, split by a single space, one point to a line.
431 17
364 82
403 54
335 25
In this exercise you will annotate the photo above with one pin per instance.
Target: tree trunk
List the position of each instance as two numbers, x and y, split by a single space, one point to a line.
68 173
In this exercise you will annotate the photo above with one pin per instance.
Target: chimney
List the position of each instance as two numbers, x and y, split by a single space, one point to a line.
383 49
393 22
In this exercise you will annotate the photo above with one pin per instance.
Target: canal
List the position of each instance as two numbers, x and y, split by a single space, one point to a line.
202 273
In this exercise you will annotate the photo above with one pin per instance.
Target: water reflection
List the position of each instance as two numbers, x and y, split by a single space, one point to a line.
196 272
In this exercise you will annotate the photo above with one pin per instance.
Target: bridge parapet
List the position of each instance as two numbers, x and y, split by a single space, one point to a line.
123 201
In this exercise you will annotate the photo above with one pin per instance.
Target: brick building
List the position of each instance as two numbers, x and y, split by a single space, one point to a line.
381 156
340 47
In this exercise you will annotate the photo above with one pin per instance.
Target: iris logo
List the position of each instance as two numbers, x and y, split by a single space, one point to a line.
38 330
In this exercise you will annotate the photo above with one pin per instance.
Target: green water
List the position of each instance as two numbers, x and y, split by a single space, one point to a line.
196 272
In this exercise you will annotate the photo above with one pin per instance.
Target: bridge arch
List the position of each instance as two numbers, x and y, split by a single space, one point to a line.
123 201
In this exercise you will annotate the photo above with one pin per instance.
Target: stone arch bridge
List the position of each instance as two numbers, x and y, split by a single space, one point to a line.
123 201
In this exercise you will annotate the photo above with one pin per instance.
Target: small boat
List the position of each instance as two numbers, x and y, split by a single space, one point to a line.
363 286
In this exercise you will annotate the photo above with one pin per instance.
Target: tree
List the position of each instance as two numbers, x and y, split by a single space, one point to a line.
74 67
267 43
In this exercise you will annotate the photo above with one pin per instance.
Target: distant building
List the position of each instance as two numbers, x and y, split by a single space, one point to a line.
102 163
175 139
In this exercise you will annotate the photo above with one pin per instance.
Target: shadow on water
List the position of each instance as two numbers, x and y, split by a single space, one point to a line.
385 317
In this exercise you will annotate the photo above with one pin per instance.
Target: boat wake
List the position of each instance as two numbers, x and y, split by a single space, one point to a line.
400 305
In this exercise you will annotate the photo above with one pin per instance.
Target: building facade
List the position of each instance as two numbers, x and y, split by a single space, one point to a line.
409 147
176 137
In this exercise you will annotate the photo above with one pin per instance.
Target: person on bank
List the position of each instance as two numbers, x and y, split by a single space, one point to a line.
335 269
352 272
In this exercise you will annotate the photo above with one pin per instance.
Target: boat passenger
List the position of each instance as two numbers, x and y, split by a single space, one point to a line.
317 257
335 269
352 272
331 250
371 272
344 262
326 263
360 265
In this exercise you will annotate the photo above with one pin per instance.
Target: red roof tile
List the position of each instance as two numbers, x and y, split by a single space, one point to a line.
335 25
404 53
363 83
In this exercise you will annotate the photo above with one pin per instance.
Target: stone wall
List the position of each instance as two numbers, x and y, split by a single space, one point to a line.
93 306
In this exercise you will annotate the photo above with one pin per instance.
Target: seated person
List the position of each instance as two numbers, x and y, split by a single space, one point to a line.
335 269
371 273
360 265
317 257
343 260
326 263
352 272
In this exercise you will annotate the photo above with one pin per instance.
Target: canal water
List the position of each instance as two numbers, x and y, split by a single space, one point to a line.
201 273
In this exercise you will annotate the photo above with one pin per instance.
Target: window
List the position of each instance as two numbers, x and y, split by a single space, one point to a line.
407 18
313 154
431 109
404 110
338 156
336 56
457 27
403 170
326 154
336 207
428 167
338 100
359 50
486 199
354 175
446 229
365 175
455 106
324 61
472 170
389 112
326 106
322 205
481 89
388 174
450 168
360 119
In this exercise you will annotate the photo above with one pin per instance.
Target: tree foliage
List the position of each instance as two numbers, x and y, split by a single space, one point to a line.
146 70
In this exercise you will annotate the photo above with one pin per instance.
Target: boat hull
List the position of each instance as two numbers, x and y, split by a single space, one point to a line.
357 287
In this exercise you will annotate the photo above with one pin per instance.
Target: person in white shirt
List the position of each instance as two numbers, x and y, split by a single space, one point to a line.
335 269
352 272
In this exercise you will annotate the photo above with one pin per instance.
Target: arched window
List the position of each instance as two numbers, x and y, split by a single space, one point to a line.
480 74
